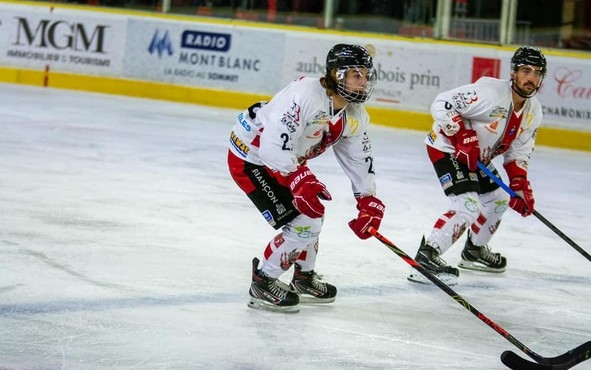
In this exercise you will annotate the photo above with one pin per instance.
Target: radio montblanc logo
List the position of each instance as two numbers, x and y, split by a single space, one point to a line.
206 41
160 43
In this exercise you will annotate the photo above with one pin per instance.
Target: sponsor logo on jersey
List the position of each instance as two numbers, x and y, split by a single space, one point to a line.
269 217
446 181
243 122
239 145
303 231
463 99
492 127
498 113
432 136
264 186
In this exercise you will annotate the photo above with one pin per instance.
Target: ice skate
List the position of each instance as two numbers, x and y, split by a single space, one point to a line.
311 289
428 257
270 294
481 258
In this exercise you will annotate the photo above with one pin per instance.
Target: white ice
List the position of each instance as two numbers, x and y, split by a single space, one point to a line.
124 244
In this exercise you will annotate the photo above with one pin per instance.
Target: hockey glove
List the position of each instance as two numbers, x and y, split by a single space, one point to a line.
371 212
307 192
467 150
524 203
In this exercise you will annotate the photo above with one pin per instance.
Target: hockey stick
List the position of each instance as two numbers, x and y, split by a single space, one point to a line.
509 358
535 213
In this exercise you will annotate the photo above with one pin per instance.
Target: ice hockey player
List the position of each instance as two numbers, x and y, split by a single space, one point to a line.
270 145
478 122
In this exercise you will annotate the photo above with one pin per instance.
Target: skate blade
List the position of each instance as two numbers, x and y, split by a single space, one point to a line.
306 298
476 266
447 279
259 304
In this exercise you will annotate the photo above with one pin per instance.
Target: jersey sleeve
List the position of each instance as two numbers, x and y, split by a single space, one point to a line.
467 100
354 154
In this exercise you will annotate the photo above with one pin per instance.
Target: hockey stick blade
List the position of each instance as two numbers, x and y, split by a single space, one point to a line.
510 359
562 362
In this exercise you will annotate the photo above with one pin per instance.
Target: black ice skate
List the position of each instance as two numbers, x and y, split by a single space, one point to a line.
429 258
481 258
270 294
311 288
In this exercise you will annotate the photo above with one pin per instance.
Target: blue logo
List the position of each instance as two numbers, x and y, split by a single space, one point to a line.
206 40
160 44
268 216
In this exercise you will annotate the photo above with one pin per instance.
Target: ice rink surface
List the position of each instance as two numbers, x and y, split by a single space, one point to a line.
124 244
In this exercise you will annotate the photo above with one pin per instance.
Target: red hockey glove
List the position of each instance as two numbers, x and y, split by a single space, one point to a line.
524 204
467 150
307 192
371 212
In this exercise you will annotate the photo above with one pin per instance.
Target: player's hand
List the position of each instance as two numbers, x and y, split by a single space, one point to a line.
524 203
307 192
371 212
467 150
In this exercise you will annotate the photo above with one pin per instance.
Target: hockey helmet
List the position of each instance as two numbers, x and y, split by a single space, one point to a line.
528 56
339 60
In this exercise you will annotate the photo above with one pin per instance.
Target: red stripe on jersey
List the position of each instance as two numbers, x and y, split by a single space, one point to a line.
335 129
511 132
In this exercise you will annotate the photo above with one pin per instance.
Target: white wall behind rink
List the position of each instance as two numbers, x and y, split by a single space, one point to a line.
260 58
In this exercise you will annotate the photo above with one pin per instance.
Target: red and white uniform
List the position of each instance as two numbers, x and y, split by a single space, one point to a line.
299 124
486 107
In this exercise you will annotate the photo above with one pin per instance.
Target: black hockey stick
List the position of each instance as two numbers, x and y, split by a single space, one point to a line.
535 213
509 358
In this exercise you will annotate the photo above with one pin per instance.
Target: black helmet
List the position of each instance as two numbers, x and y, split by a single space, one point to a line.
341 58
528 56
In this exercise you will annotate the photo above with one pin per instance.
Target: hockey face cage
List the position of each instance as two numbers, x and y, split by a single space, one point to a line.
349 93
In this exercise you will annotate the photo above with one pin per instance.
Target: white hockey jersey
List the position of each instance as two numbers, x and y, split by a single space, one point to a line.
298 124
486 106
